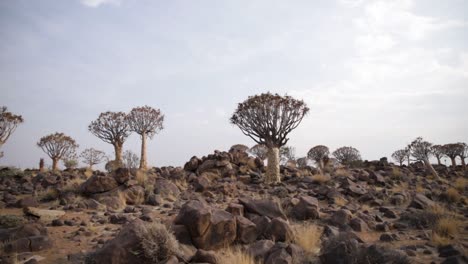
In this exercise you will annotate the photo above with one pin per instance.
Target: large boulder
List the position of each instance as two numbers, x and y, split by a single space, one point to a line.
99 183
28 238
307 208
279 230
134 195
166 189
246 230
120 250
209 228
264 207
420 201
44 215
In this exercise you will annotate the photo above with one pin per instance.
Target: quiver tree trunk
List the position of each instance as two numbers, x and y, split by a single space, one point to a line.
118 152
143 164
273 166
431 169
55 164
463 162
454 162
438 161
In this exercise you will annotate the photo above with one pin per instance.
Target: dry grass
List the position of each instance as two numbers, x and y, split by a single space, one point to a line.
122 198
460 184
73 185
308 236
238 256
365 207
340 201
440 241
453 195
88 172
396 173
419 188
141 177
320 178
342 173
49 194
446 225
402 187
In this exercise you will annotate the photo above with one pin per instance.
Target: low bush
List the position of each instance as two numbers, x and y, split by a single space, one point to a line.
157 241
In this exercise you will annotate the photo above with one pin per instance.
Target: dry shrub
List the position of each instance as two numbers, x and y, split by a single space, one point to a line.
453 195
308 236
122 198
48 195
342 173
447 227
320 178
460 184
73 185
236 255
88 172
419 188
440 241
157 242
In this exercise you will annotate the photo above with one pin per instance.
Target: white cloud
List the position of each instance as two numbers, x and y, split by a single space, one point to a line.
97 3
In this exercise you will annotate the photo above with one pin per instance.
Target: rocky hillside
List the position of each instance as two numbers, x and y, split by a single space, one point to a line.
216 209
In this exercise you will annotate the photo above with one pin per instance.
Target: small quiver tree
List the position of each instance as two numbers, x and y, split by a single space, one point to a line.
93 157
421 150
57 146
347 155
268 119
8 124
319 154
400 156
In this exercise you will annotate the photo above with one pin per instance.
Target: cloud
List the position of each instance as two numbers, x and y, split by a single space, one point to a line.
97 3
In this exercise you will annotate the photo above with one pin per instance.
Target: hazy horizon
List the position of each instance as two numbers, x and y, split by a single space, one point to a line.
375 74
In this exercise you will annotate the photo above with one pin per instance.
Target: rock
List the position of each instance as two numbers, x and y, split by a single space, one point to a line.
120 249
202 183
43 214
260 249
118 219
307 208
386 238
420 201
378 179
456 260
358 225
166 189
235 209
121 175
279 230
209 228
340 253
27 202
279 256
203 256
99 184
27 238
448 251
265 207
341 218
246 230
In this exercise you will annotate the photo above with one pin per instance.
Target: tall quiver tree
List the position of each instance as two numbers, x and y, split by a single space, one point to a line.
92 157
112 128
422 150
318 154
146 122
57 146
452 151
268 119
8 124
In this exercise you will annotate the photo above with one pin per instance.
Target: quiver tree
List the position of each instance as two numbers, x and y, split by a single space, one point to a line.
438 152
287 154
112 128
400 156
452 151
268 119
422 151
346 155
70 160
57 146
93 157
463 154
259 151
302 162
146 122
319 154
8 124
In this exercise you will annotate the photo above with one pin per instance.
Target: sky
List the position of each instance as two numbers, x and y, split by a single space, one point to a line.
375 73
